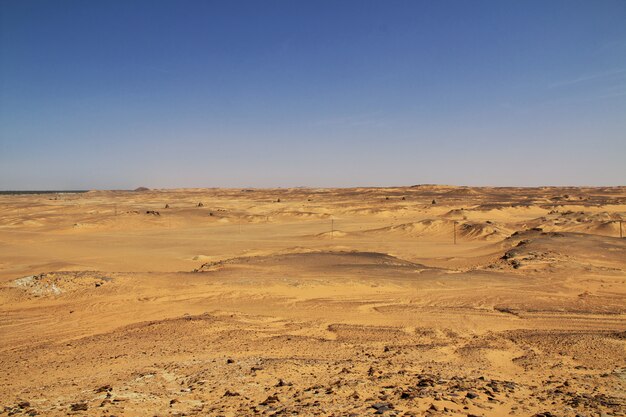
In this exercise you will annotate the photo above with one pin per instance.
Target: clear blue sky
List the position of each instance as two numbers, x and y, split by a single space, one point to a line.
117 94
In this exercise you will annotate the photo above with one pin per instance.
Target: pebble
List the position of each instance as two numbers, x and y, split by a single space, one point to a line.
79 407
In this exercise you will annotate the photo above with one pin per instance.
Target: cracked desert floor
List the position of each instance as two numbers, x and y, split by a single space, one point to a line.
326 302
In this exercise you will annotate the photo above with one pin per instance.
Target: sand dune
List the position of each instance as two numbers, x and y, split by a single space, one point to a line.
327 302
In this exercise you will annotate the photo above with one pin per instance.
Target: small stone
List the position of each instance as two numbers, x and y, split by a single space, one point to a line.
379 406
282 383
471 395
79 406
270 400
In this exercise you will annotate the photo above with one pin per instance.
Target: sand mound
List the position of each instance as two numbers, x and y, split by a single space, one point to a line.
301 215
461 192
428 227
332 235
456 214
314 260
602 223
129 220
445 228
482 231
256 218
383 212
537 249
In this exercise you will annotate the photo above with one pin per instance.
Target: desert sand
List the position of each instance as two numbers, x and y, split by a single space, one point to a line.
329 302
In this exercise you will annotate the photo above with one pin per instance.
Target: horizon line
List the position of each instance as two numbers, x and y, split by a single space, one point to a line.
139 189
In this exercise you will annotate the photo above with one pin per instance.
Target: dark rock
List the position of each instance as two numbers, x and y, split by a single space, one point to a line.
471 395
270 400
79 406
508 255
230 394
426 382
378 406
282 383
230 360
489 392
104 388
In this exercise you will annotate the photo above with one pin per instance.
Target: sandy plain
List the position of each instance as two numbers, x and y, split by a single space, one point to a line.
329 302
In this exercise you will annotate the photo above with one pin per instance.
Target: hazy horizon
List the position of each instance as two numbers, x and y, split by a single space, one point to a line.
194 94
313 187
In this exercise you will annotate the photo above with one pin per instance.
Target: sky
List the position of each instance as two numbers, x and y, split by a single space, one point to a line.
125 93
